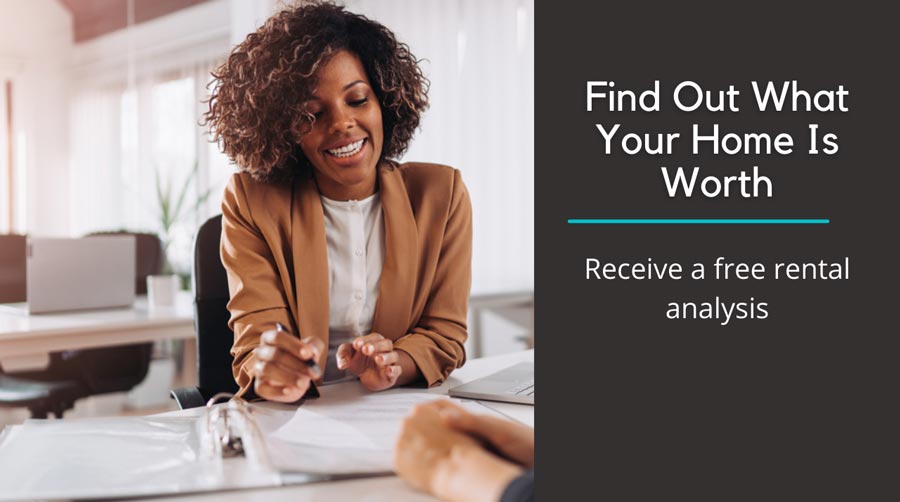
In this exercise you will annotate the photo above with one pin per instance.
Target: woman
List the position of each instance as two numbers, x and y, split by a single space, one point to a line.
364 262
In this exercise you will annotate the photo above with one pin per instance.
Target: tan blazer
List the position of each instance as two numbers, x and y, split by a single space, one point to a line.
273 247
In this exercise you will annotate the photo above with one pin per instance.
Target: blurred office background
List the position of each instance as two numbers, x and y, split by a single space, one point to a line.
101 100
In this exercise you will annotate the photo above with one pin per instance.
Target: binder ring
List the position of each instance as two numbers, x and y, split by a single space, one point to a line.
221 427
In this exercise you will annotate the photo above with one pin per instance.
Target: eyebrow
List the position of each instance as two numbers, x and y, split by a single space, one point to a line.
351 84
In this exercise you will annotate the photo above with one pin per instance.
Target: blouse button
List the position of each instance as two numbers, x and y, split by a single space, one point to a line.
358 295
359 252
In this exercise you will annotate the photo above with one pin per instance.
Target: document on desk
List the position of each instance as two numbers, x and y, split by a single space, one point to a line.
352 432
348 432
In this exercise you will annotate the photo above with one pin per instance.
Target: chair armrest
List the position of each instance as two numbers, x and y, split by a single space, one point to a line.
188 397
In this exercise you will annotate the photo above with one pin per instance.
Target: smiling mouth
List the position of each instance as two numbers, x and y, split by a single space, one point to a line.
347 150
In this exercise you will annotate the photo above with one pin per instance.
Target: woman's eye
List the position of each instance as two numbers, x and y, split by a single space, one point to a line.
359 102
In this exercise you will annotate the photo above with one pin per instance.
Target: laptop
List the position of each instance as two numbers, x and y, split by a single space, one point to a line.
511 385
78 274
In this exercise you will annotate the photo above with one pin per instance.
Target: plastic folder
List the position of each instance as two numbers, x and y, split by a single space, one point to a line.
115 458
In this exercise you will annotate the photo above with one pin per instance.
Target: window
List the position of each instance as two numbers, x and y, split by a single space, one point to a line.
137 150
479 57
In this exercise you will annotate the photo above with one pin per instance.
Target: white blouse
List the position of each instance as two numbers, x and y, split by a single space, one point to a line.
354 233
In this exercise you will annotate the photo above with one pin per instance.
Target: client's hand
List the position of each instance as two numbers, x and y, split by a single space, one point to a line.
373 359
281 371
435 458
512 440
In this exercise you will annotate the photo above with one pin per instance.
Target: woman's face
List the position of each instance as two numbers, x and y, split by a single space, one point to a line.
344 142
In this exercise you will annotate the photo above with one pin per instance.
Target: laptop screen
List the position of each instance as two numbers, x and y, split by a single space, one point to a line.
75 274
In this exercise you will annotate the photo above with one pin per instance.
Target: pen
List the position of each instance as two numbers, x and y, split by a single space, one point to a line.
317 372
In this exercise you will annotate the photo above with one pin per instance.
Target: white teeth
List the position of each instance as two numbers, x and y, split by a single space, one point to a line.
347 150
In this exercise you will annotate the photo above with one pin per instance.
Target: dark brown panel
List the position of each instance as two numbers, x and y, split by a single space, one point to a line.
145 10
12 268
10 181
93 18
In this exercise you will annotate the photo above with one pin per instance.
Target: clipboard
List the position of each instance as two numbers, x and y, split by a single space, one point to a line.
131 457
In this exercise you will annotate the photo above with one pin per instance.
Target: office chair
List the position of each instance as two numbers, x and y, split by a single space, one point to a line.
74 374
120 368
41 398
214 337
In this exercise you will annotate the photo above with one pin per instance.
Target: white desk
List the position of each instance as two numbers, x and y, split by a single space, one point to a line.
374 489
27 340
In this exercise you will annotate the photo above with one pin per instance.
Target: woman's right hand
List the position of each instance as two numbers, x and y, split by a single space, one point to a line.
281 371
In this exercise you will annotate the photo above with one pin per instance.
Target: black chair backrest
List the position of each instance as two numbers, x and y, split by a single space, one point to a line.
214 337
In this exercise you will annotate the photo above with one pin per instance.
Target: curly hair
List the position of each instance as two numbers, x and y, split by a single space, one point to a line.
257 106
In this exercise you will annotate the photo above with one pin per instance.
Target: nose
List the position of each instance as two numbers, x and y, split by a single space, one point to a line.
341 120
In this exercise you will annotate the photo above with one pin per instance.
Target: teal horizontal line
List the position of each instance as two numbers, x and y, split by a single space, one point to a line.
700 221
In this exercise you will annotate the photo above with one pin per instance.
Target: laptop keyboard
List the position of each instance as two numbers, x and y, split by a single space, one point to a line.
526 388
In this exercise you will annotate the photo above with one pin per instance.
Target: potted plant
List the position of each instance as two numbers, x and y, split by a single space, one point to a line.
173 206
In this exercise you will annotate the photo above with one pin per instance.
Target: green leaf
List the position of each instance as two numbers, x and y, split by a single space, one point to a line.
174 207
176 213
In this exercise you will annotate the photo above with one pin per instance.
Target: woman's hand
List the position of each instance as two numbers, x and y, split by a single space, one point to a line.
435 458
282 372
373 359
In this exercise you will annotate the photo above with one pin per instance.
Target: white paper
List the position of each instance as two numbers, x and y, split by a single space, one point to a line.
367 422
348 431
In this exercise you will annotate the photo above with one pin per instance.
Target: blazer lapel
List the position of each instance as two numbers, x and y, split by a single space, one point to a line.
310 255
397 286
